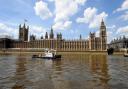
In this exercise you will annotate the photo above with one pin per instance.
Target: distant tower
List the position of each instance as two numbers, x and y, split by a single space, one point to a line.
42 37
51 34
59 36
92 41
103 36
46 35
80 37
32 37
23 33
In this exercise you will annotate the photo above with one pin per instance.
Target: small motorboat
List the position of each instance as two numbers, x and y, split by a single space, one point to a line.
110 51
49 54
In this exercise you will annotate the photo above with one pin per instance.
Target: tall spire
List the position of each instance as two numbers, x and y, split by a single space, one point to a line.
102 26
25 21
46 35
80 37
102 22
20 26
24 25
51 30
51 34
60 36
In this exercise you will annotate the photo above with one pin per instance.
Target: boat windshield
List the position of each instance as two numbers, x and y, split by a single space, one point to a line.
50 51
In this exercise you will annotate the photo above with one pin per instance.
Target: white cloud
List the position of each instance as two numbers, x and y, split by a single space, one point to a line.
124 6
111 27
81 1
97 33
64 9
38 31
125 16
8 30
50 0
122 30
110 36
42 10
91 17
97 20
62 25
88 15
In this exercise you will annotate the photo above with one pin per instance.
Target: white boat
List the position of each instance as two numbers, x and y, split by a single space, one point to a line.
126 53
49 54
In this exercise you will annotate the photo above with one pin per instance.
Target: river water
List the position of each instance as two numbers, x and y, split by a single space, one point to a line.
73 71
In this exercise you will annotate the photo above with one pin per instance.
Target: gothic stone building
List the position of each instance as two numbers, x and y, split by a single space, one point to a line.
119 43
49 41
23 33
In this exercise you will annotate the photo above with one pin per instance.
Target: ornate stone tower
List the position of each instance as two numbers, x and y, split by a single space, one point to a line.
103 36
92 41
23 33
32 37
59 36
46 35
51 34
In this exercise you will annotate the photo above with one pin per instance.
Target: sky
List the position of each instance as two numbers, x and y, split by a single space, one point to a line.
70 17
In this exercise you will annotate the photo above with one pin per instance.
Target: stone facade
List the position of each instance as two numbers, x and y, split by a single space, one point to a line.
23 33
49 41
119 43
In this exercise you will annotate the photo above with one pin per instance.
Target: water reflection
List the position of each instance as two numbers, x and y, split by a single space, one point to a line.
20 76
99 67
95 65
73 71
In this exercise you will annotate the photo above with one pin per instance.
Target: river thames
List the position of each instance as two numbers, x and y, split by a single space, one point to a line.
73 71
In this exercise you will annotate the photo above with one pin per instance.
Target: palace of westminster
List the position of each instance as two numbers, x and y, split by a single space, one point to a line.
93 43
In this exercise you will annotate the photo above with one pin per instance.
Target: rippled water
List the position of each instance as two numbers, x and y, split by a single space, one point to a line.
73 71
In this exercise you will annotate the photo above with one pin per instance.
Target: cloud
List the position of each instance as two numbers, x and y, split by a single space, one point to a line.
62 25
88 15
125 16
81 2
110 36
124 6
42 10
91 17
8 30
122 30
111 27
50 0
64 9
38 31
97 20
